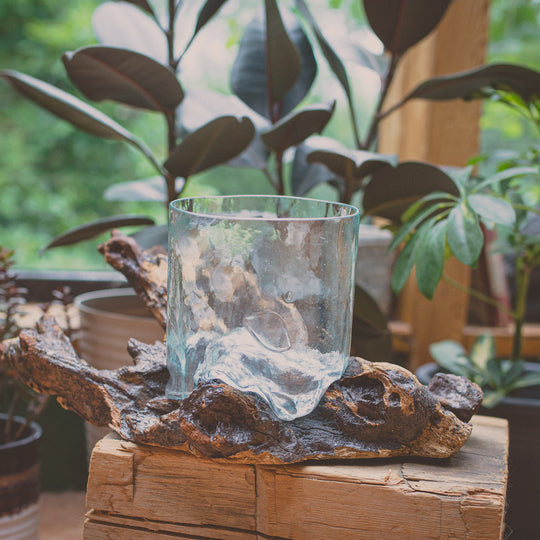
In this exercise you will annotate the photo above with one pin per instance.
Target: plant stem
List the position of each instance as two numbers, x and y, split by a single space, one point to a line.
279 167
373 128
523 273
477 294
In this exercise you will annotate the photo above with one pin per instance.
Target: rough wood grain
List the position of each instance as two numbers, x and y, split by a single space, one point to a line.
374 410
145 270
156 493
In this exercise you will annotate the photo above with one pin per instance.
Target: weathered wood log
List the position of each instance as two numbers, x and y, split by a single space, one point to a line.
145 270
374 410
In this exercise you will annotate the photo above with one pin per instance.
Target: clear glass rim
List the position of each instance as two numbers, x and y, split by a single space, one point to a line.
354 211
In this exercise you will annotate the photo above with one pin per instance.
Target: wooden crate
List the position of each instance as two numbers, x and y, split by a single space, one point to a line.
140 492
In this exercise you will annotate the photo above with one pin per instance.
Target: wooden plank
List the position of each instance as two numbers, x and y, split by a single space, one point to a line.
444 133
132 480
374 499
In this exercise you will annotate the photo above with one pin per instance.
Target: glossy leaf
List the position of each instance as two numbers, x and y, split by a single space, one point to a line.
74 111
400 24
465 236
305 176
493 209
202 105
370 334
404 264
123 76
119 24
346 162
479 83
150 189
392 190
249 77
282 58
95 228
297 126
209 9
430 258
529 379
213 144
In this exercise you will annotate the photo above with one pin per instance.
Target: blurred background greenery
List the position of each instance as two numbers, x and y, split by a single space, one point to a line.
52 177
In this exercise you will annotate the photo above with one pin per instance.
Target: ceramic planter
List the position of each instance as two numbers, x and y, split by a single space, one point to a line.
19 483
109 318
522 410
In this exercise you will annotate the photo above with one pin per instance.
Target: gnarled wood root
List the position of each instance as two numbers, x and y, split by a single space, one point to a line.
374 410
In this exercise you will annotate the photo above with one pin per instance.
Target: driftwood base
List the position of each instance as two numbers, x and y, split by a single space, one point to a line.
374 410
136 491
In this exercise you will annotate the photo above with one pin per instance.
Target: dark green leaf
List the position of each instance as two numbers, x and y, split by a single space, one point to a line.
149 189
409 226
210 8
435 196
494 373
529 379
493 209
74 111
282 57
392 190
202 105
150 237
464 234
512 372
304 175
404 264
213 144
249 78
400 24
346 162
371 338
95 228
123 76
297 126
479 82
429 257
119 24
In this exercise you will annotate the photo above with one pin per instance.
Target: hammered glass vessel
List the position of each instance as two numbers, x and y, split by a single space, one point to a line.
260 296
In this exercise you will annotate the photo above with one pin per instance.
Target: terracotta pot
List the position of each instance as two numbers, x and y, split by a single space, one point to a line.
109 318
19 483
522 410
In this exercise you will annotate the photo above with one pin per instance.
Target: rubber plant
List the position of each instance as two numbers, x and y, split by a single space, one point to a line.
138 68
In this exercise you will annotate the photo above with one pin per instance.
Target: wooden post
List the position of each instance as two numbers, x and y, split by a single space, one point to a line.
444 133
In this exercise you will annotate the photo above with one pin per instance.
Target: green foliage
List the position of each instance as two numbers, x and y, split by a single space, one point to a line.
497 377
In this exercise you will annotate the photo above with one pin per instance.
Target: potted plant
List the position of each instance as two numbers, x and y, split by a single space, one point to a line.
19 435
440 225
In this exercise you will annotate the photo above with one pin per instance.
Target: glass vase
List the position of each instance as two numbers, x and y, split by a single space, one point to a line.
260 296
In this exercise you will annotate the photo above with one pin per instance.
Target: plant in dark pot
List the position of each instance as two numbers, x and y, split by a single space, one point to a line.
19 433
442 224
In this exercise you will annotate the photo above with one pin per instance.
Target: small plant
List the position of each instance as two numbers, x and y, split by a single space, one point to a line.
17 399
497 377
445 224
